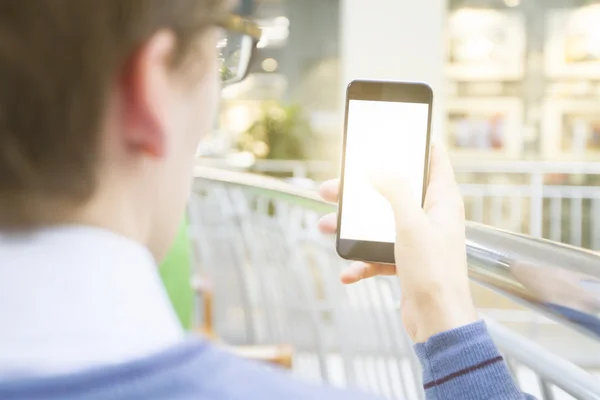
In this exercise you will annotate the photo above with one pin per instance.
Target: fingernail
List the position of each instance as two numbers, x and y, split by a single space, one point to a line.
347 278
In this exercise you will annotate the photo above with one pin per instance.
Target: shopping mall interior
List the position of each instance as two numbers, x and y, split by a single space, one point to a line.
516 88
298 268
299 199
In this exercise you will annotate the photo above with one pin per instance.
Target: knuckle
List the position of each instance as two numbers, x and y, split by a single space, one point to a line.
408 227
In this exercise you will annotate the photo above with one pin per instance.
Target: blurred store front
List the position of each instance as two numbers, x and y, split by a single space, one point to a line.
517 86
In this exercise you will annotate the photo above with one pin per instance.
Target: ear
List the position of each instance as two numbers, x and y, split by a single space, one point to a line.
145 88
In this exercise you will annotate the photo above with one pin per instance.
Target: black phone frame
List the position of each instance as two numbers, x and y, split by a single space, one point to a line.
404 92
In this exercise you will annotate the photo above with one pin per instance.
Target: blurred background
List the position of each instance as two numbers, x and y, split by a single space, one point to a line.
517 103
517 86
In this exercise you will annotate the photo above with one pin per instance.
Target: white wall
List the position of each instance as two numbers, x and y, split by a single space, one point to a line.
397 40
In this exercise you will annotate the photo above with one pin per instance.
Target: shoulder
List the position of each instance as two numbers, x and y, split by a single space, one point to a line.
228 376
192 370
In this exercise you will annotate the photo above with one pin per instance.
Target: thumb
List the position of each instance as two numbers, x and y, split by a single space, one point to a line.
393 185
441 171
442 187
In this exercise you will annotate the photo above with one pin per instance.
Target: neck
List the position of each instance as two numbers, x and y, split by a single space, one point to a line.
116 211
112 210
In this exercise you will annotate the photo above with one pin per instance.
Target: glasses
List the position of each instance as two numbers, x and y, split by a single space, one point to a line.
236 48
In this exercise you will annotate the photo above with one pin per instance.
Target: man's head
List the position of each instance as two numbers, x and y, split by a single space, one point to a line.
102 105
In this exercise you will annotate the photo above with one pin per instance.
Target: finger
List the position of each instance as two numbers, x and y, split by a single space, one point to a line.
359 271
440 169
408 213
330 190
328 224
442 184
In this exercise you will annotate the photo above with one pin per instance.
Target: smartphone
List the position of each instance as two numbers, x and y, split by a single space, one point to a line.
387 125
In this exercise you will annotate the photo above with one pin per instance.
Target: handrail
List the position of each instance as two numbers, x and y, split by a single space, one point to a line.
545 276
494 166
577 384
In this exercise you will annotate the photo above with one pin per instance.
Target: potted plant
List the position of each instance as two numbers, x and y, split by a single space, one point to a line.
280 133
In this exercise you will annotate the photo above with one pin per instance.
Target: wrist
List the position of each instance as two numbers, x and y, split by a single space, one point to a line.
441 313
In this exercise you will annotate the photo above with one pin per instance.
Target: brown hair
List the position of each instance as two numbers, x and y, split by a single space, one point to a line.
58 60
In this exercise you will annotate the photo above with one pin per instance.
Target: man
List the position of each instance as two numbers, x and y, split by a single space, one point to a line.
102 105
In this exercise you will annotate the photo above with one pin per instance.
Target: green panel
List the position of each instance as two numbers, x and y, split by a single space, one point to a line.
176 272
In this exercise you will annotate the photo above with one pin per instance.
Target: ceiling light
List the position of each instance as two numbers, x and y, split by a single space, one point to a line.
512 3
270 65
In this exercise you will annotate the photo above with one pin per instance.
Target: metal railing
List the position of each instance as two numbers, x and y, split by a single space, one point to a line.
276 281
555 200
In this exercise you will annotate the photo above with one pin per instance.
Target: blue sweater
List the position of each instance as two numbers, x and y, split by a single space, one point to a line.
461 364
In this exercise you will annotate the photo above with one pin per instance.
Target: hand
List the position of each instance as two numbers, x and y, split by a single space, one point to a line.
557 286
430 250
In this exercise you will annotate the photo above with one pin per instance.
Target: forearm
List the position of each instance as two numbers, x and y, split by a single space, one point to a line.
465 363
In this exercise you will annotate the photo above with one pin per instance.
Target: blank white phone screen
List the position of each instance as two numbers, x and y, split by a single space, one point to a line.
380 134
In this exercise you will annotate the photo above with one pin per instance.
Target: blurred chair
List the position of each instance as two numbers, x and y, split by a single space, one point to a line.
279 355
